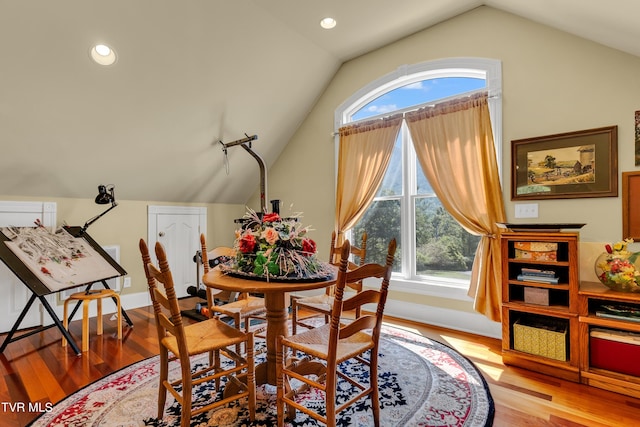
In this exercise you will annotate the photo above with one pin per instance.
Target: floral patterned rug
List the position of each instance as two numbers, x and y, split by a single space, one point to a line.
422 383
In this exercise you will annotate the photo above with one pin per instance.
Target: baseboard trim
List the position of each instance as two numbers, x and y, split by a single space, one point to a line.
474 323
431 315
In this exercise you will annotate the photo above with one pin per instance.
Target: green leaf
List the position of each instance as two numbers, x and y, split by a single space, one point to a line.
273 268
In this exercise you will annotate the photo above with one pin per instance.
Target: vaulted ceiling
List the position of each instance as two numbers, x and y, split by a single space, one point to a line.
192 73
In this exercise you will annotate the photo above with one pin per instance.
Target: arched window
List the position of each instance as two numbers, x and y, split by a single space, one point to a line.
435 253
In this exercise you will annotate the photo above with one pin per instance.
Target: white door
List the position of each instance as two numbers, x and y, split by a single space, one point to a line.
16 294
178 228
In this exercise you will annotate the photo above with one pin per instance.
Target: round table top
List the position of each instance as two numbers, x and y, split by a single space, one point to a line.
215 278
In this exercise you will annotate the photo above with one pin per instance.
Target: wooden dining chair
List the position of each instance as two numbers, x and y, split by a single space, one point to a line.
183 341
245 307
335 343
304 308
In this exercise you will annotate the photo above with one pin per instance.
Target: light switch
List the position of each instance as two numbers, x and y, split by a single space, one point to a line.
526 210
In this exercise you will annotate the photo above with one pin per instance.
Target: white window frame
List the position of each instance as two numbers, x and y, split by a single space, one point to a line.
488 69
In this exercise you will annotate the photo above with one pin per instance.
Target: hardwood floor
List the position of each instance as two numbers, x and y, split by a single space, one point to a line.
38 371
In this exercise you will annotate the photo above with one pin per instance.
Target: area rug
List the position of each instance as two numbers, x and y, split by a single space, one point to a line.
422 383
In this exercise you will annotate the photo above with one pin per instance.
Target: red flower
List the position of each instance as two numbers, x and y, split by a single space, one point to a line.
247 244
271 217
308 246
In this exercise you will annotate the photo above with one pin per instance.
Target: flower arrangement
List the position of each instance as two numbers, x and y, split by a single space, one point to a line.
270 246
616 268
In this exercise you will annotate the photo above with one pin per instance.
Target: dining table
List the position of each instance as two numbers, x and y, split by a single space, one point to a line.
277 314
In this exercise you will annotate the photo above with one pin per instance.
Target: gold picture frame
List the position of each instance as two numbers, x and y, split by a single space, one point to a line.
631 205
566 165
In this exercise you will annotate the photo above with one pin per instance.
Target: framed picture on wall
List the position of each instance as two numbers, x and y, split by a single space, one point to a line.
566 165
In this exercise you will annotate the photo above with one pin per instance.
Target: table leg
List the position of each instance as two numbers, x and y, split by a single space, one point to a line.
276 325
277 316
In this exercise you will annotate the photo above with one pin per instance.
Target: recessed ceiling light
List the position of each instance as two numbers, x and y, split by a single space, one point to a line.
328 23
103 54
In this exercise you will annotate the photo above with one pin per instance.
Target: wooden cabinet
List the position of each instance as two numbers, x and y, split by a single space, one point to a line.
540 318
554 326
593 296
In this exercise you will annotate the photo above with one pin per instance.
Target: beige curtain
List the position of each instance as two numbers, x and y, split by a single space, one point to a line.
363 156
454 144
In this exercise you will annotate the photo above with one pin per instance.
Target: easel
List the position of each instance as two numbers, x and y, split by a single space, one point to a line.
39 290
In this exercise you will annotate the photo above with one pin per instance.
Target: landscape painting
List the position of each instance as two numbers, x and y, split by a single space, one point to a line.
567 165
571 165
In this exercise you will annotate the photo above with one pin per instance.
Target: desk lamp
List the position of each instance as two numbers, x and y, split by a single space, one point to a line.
106 195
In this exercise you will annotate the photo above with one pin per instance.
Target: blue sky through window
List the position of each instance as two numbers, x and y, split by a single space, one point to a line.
413 94
418 93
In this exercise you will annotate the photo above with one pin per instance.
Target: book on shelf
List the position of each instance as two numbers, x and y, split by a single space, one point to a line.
539 279
621 310
609 315
530 274
527 271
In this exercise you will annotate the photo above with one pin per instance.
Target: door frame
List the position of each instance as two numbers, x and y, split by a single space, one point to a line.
152 230
154 210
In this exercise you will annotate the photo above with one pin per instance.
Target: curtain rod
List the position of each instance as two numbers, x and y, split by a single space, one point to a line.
415 108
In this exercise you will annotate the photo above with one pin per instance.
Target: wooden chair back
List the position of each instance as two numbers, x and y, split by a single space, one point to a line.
219 251
335 254
367 296
165 301
152 285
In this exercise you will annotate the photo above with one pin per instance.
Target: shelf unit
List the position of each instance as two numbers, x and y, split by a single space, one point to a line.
591 297
561 311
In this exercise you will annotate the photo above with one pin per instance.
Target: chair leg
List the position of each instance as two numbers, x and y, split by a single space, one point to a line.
251 378
330 398
280 382
99 317
237 321
119 316
65 320
216 363
164 373
294 323
85 326
373 375
187 390
294 317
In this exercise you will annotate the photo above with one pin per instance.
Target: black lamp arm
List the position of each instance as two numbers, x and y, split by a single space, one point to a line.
97 217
